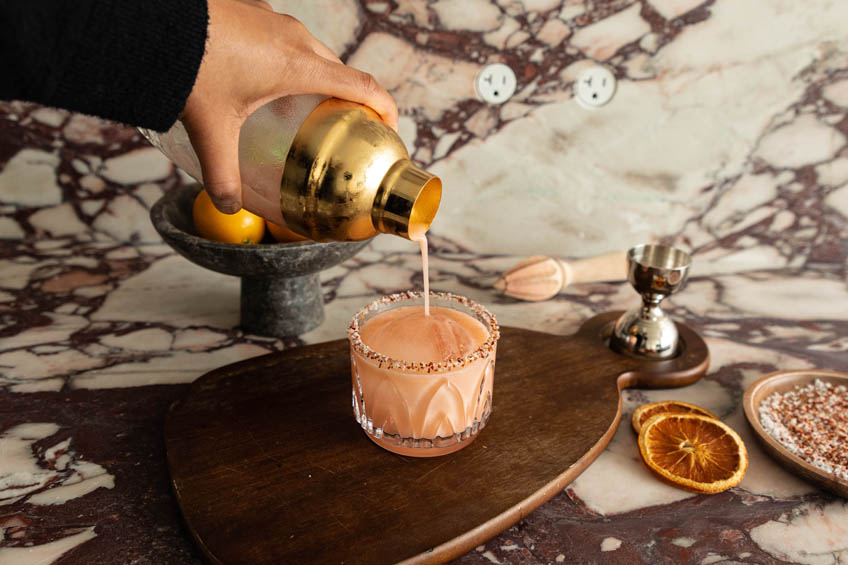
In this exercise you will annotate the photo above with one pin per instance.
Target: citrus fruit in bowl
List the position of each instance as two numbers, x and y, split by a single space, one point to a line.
242 227
283 234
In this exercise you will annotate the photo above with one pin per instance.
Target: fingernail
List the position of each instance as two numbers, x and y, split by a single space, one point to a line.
229 206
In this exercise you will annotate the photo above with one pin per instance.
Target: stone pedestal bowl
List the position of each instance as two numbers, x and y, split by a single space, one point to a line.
280 285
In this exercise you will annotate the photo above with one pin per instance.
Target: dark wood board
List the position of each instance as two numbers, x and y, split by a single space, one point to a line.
269 465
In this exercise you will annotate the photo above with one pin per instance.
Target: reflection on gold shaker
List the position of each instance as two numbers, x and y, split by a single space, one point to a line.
348 176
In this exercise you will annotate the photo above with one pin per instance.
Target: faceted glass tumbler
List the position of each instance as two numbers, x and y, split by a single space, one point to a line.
422 409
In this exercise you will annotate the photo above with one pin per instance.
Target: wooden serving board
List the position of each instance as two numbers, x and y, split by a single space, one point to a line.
269 465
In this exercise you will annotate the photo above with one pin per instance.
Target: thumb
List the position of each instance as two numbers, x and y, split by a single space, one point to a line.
216 145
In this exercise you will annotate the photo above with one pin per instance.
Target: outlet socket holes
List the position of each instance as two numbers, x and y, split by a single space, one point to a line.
496 83
594 87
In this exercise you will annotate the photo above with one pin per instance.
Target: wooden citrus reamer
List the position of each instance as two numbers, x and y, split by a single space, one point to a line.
540 277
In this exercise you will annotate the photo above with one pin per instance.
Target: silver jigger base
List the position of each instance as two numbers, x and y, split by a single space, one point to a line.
645 332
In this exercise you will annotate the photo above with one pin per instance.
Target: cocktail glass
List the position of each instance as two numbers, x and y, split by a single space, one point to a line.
422 409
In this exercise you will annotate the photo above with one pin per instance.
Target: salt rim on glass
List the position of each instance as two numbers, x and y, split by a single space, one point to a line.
482 352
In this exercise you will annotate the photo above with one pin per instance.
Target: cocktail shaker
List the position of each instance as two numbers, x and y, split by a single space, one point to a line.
328 169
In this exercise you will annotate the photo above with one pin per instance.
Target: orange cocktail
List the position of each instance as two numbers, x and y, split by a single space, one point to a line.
422 384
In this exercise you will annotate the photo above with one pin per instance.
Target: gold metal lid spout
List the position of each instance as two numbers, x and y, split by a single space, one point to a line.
348 177
407 201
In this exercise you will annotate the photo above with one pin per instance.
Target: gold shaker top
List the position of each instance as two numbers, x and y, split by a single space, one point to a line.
348 176
407 201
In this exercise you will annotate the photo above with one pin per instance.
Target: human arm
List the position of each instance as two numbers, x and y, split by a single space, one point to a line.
254 56
148 63
131 62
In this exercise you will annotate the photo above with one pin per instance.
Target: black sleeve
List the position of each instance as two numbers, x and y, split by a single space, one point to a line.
132 61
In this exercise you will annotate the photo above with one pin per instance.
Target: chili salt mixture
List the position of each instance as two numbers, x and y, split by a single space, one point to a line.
811 422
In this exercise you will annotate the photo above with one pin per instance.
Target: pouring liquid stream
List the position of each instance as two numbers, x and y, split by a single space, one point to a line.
421 238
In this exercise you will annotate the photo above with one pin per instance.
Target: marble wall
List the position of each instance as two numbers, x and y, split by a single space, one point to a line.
726 135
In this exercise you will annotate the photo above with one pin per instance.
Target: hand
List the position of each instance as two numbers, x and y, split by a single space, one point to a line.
254 56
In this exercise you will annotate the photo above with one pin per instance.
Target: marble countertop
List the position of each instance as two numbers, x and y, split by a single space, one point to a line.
100 337
727 137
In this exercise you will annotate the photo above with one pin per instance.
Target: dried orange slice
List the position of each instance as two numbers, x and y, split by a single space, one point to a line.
641 415
694 452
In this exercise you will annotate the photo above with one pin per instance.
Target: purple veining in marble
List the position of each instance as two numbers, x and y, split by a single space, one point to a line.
727 136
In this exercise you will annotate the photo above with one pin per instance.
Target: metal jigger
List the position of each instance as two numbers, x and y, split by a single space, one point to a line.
655 271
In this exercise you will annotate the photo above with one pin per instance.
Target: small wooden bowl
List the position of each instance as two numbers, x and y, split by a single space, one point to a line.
784 381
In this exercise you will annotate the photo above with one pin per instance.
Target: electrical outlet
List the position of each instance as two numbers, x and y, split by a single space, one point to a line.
594 87
496 83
